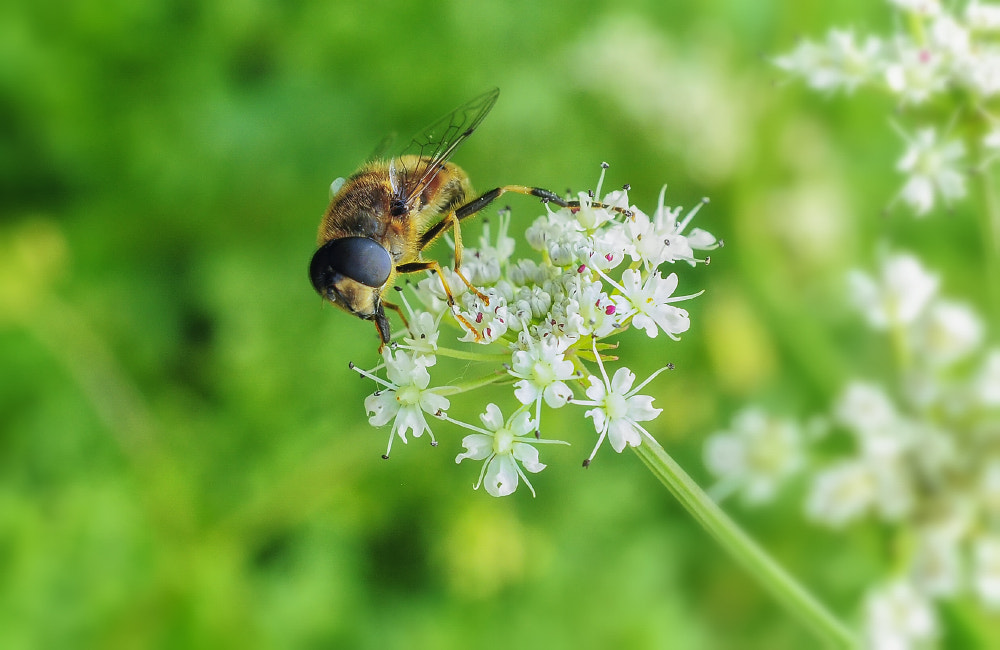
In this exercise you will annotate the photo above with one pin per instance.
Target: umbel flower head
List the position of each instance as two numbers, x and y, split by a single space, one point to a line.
535 333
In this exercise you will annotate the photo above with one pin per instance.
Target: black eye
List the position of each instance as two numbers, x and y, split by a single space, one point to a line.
358 258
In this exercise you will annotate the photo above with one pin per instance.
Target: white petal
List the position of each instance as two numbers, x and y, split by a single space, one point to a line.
597 391
381 408
477 447
521 424
492 418
622 381
640 408
642 321
622 432
432 402
501 476
410 417
701 239
525 391
557 394
528 456
600 418
663 287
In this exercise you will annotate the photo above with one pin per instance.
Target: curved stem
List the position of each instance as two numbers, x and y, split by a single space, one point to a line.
792 595
472 356
990 226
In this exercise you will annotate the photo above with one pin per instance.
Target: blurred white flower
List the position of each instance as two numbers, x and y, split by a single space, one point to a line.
755 456
916 73
981 71
949 332
841 493
986 569
849 489
502 445
987 489
925 7
932 167
897 297
866 410
950 37
898 617
984 17
838 63
986 386
937 568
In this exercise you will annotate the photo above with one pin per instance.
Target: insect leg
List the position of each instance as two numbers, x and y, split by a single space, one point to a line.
382 325
396 308
477 204
452 219
432 265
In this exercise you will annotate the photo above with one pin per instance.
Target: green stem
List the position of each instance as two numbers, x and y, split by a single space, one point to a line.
472 384
744 550
990 225
472 356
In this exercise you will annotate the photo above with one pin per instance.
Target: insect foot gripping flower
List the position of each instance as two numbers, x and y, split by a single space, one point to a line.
540 341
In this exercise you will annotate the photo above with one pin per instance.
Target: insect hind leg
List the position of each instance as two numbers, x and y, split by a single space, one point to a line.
547 196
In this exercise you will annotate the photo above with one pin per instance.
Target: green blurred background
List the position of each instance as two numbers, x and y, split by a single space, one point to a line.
185 460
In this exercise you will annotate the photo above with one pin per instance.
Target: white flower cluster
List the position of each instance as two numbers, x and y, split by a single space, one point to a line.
948 59
925 460
755 456
543 321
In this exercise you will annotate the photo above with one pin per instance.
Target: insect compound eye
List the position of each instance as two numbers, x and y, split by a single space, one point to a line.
359 258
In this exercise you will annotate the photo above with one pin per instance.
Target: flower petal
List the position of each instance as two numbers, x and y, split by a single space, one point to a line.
477 447
492 419
501 476
528 456
381 407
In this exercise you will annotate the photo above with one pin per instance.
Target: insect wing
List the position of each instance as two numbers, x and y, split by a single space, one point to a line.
437 143
383 147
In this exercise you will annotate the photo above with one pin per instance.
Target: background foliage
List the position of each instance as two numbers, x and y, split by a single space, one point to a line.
184 456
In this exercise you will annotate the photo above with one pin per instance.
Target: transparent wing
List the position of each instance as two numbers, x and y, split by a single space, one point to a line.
383 147
437 143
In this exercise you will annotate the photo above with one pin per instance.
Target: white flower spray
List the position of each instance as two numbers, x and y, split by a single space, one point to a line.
925 464
926 459
544 323
542 338
944 69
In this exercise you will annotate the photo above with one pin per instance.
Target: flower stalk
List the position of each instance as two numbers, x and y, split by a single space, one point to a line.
989 214
788 591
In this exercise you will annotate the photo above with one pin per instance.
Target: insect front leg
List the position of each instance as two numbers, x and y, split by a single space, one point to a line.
452 219
396 308
432 265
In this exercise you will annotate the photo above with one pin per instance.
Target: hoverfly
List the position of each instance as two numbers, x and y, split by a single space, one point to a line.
381 219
